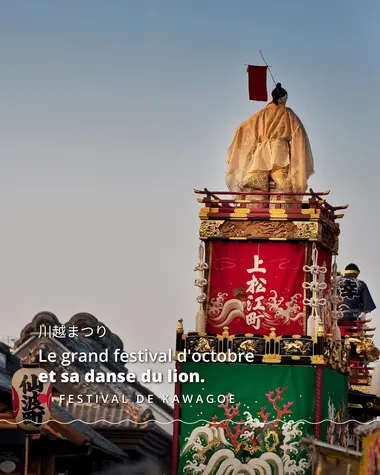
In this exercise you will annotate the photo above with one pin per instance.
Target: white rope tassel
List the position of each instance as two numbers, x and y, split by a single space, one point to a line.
335 301
201 282
315 286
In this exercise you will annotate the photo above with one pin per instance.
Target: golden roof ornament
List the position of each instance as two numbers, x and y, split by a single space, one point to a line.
180 326
272 333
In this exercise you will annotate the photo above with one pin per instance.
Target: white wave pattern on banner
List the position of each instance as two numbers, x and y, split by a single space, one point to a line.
227 464
224 461
292 432
277 312
209 450
206 433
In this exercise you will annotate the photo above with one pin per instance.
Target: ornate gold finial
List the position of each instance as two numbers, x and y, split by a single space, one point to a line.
347 342
180 326
272 333
30 358
226 332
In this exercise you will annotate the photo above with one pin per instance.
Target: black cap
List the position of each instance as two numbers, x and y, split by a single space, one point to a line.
352 268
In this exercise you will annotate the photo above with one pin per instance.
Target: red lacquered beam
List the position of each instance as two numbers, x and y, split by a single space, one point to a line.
222 204
295 204
244 203
262 205
239 193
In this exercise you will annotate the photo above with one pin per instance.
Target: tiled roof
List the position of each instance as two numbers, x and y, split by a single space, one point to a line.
110 341
95 439
101 412
59 413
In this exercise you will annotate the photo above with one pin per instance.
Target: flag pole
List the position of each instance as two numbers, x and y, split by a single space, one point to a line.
270 72
271 181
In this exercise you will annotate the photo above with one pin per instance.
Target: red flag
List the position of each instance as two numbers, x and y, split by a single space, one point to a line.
257 83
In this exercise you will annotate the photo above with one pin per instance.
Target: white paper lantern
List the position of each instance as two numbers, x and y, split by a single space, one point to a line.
31 399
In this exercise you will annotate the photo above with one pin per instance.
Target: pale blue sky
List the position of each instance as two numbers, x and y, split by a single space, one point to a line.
111 112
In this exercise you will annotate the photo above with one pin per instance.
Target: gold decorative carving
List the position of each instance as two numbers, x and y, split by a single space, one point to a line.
247 345
210 228
345 360
180 326
293 347
327 351
271 358
317 359
367 348
362 389
310 230
307 230
258 229
203 346
336 352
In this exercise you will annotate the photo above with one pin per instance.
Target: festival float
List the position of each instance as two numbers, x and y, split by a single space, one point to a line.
271 342
267 296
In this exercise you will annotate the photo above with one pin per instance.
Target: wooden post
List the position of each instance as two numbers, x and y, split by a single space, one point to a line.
27 441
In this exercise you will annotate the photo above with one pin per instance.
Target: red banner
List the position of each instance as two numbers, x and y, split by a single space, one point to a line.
256 286
257 83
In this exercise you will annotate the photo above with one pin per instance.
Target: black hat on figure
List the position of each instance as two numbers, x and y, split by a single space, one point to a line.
279 92
352 269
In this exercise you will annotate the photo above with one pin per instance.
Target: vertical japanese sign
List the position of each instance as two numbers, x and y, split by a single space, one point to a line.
255 293
31 398
256 286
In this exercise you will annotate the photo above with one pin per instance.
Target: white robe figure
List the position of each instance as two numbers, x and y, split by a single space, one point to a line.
270 145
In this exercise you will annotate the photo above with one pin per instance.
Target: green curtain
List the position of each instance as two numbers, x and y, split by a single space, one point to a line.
259 393
334 407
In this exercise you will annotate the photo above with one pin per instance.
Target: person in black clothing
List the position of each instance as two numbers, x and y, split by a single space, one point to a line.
356 297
